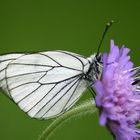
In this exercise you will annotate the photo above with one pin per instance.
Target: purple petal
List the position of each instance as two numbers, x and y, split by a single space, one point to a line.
114 53
103 119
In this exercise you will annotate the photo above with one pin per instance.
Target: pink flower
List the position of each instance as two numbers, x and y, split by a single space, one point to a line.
118 94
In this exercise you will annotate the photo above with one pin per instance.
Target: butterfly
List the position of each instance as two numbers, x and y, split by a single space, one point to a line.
47 84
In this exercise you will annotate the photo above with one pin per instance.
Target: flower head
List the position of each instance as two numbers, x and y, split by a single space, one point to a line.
118 94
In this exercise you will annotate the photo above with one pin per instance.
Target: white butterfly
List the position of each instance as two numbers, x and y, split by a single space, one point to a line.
46 84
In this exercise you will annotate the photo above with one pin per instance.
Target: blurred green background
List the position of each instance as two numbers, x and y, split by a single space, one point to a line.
72 25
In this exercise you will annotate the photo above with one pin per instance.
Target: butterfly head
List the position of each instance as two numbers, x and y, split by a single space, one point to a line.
95 58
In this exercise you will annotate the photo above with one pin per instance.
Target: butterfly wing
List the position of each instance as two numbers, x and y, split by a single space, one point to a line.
45 84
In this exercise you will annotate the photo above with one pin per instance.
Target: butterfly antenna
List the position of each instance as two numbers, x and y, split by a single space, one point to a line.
108 25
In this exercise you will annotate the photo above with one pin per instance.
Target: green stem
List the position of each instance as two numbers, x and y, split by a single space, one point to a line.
87 107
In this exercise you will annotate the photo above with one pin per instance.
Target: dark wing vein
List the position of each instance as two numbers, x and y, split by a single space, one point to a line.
60 97
2 69
44 84
32 64
60 64
65 52
29 73
50 58
81 74
72 104
23 85
55 95
29 94
7 87
63 110
76 58
76 82
44 66
42 98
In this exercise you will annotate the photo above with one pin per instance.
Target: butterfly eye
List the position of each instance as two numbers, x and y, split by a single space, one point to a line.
99 58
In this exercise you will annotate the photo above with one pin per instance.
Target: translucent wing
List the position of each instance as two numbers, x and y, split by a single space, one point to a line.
44 84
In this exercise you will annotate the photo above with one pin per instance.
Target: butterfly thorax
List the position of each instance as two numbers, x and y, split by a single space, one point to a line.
95 68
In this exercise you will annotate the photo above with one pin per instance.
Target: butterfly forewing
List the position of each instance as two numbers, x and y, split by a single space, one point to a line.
44 84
